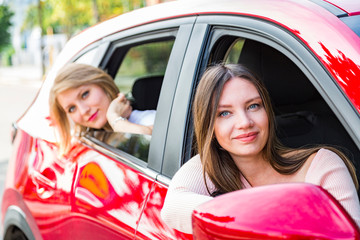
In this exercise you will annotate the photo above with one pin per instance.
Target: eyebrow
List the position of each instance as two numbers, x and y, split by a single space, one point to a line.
77 96
247 102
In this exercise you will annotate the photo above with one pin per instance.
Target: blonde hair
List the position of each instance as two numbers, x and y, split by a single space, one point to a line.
72 76
217 162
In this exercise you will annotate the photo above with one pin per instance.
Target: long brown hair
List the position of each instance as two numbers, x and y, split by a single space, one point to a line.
217 162
73 76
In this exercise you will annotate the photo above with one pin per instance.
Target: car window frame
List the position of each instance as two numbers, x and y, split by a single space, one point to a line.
212 28
181 30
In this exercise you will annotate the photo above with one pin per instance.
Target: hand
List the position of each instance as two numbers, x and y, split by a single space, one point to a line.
119 107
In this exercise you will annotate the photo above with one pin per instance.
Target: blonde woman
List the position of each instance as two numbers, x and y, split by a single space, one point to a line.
88 97
238 148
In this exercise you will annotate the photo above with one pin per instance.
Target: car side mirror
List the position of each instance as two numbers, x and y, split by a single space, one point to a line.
281 211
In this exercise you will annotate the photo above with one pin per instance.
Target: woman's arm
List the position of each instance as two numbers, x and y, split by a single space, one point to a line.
330 172
118 113
124 125
186 191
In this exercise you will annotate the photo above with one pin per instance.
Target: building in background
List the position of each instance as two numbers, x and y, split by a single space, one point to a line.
27 43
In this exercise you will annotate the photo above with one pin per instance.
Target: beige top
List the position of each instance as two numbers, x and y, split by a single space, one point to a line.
187 189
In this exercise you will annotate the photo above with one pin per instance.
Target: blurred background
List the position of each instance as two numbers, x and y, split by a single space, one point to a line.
32 34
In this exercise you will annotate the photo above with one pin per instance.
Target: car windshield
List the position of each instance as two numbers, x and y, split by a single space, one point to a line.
353 22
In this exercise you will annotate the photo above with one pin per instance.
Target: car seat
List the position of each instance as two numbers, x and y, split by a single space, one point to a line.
302 116
146 92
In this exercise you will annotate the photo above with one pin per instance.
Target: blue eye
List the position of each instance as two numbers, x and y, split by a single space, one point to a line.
254 106
224 114
71 109
85 94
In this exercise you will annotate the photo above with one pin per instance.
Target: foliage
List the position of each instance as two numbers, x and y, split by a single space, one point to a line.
6 55
72 16
5 24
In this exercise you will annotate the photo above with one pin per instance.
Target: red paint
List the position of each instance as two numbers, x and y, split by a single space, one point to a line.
245 215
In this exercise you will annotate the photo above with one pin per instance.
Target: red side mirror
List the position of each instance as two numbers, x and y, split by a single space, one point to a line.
281 211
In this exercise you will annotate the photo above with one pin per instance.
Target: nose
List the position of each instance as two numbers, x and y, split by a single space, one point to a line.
83 108
243 120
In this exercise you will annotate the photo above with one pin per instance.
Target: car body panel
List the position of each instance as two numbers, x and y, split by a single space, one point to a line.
16 178
45 185
108 196
83 190
151 218
293 203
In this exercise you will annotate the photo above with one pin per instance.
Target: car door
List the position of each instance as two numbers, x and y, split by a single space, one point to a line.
116 172
297 82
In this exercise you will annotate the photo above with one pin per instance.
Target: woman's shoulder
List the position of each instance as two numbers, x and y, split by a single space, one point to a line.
327 156
193 163
325 161
191 169
319 161
191 176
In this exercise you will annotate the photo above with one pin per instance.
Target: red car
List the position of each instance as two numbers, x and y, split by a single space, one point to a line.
113 185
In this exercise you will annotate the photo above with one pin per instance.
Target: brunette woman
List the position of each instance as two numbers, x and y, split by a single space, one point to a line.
238 148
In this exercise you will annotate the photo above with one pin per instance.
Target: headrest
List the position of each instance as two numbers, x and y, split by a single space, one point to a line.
146 92
285 82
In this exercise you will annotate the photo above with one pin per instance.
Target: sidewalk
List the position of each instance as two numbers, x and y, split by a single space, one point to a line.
19 75
18 88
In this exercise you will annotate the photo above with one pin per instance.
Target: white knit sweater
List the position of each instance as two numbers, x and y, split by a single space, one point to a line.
187 189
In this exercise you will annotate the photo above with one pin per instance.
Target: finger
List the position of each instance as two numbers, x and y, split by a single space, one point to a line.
121 97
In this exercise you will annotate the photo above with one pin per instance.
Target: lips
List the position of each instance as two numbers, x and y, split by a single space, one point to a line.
247 137
93 116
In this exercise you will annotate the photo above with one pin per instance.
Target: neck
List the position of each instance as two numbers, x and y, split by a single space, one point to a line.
256 170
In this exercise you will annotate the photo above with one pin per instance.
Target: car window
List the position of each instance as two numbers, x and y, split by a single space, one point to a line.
302 115
136 145
138 71
233 53
87 57
144 60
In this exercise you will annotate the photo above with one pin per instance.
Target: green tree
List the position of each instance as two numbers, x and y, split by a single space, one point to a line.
5 24
72 16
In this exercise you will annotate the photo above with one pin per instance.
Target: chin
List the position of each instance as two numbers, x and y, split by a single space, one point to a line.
98 125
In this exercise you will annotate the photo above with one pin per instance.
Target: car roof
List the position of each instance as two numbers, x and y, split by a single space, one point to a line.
287 12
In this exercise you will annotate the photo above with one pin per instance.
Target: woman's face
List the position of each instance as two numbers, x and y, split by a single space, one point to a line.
241 125
85 105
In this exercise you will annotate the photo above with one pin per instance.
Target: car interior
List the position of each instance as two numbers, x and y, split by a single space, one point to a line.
145 92
302 116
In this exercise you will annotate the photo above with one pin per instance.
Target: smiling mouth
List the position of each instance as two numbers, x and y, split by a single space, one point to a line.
93 116
248 137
